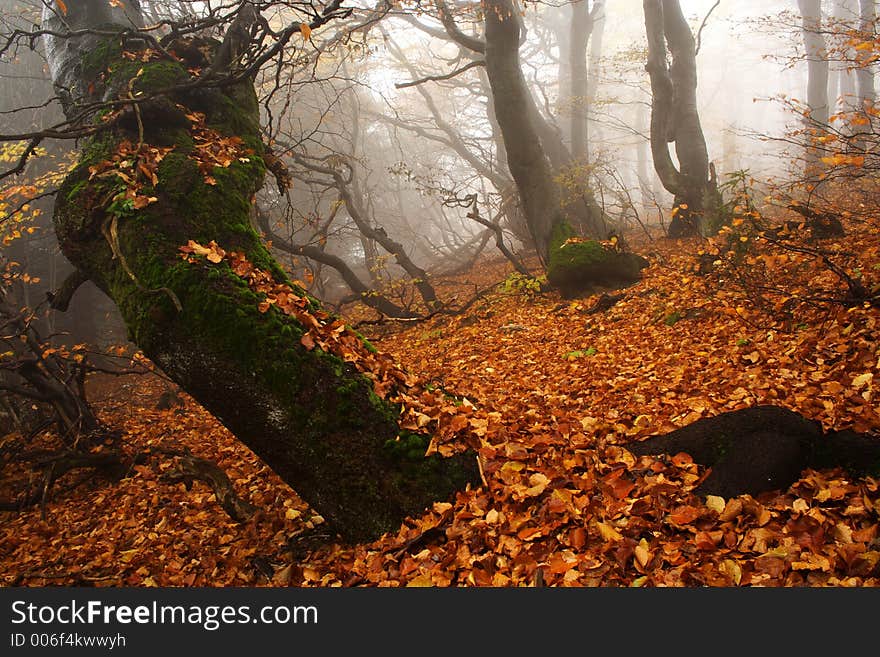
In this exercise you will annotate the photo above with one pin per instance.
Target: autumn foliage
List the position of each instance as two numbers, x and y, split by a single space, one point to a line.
550 394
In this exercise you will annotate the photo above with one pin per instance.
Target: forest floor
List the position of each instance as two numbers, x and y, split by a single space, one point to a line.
553 393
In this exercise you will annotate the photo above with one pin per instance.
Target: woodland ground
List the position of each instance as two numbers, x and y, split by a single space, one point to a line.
552 393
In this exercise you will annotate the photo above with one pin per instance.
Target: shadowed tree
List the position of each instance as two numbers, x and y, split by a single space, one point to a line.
841 80
583 20
865 74
817 61
265 364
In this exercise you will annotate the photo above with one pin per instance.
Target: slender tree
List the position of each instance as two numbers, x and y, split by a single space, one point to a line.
816 120
553 227
595 57
583 20
841 79
514 111
865 74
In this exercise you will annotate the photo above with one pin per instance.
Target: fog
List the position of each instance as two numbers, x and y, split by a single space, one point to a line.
382 101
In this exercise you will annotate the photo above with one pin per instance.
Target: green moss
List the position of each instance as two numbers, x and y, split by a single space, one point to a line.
408 446
575 266
97 60
570 262
369 345
156 76
76 189
306 412
672 318
98 148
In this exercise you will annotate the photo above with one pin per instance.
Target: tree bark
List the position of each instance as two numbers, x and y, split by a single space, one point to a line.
596 40
514 107
674 115
817 61
841 79
572 263
817 81
581 27
582 21
865 74
763 448
307 413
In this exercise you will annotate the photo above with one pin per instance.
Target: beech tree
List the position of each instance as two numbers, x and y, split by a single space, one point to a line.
584 20
864 74
841 80
817 77
675 118
817 68
157 214
554 227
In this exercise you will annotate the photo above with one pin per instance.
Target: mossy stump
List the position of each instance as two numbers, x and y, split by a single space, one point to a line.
576 266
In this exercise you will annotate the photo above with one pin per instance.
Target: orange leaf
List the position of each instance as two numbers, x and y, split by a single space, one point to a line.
560 565
305 30
62 6
707 540
307 341
608 532
458 423
684 515
529 533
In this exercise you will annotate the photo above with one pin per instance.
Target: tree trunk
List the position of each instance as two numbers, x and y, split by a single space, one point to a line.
581 28
572 264
817 80
596 39
865 74
817 61
526 157
841 79
674 115
307 413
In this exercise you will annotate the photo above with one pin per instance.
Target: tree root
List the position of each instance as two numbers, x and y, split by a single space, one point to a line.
763 448
190 468
114 465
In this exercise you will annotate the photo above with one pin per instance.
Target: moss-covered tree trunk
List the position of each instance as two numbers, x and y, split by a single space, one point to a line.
184 165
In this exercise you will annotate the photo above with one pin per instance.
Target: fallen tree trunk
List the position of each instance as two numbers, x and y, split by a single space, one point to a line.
763 448
180 160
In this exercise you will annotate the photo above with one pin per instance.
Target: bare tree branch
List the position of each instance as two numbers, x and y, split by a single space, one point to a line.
447 76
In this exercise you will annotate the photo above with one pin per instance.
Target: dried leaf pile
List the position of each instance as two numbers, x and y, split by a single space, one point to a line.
550 394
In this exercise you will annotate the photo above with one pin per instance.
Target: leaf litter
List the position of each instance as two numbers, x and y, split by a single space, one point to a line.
563 502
